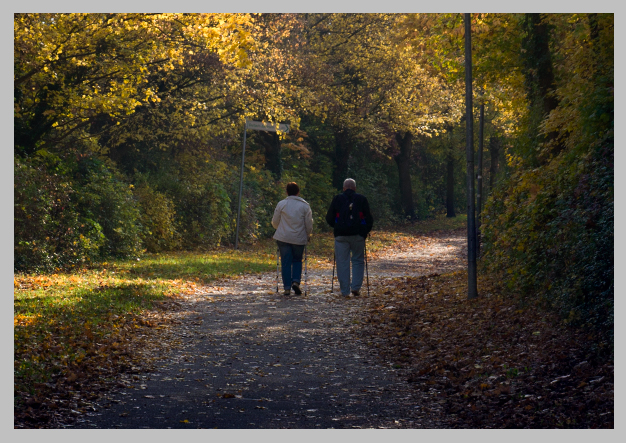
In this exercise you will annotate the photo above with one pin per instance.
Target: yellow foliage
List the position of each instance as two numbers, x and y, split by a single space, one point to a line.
100 63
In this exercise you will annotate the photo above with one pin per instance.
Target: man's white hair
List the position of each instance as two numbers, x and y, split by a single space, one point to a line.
349 183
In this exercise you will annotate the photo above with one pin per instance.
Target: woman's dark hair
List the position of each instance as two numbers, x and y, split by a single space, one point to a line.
292 188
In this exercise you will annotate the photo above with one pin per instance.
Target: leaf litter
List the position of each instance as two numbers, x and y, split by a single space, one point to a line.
414 354
492 362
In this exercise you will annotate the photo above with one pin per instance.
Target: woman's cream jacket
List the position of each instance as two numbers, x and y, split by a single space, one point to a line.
293 220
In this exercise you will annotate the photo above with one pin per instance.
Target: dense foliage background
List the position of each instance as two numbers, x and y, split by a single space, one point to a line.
128 133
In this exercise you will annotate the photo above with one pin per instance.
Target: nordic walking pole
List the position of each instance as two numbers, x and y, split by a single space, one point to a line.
305 273
332 280
277 270
367 272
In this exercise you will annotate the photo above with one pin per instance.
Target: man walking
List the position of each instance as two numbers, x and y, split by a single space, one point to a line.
349 214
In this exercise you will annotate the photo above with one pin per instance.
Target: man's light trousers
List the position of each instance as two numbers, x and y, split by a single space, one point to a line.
350 249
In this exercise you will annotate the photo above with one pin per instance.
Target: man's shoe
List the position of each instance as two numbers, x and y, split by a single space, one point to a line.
287 292
356 293
296 288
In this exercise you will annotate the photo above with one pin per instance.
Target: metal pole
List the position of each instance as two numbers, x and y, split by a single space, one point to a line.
479 185
367 273
332 280
243 156
305 272
277 270
472 291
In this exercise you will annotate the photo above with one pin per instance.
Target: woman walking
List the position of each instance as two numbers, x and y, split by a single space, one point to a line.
293 221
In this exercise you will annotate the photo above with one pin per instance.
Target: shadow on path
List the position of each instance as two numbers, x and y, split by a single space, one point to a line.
246 357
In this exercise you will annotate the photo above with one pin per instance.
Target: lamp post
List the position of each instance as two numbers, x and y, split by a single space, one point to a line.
259 126
243 157
472 291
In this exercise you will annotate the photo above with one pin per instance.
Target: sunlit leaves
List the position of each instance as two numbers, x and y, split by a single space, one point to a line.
495 58
374 85
80 65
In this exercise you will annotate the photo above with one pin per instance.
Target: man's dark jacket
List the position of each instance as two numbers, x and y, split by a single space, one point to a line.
361 204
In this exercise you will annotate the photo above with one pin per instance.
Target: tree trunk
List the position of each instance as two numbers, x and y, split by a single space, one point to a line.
341 157
539 61
539 74
273 153
450 187
28 131
479 193
494 153
403 161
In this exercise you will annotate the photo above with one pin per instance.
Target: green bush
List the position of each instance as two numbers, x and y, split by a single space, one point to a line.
158 219
200 200
49 232
260 195
202 214
104 197
550 230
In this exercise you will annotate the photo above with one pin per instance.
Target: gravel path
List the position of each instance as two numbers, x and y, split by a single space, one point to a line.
243 356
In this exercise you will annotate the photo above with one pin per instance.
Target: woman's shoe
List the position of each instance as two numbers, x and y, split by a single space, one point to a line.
296 288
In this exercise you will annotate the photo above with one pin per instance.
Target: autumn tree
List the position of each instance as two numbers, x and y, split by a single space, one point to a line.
496 39
103 86
71 68
380 95
550 225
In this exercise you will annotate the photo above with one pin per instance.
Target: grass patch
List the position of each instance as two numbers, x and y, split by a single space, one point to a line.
321 247
70 327
201 266
67 322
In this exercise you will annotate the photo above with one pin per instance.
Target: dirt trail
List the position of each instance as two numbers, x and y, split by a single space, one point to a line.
243 356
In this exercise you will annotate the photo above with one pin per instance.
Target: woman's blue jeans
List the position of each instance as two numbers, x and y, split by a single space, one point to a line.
291 262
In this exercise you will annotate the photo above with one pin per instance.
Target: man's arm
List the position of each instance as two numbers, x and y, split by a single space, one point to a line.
330 215
369 220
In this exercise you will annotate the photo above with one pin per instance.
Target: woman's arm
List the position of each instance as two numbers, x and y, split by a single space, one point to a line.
276 217
308 220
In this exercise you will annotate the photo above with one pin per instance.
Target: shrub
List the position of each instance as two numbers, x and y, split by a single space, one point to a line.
200 200
202 214
158 219
550 230
104 197
48 230
260 195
